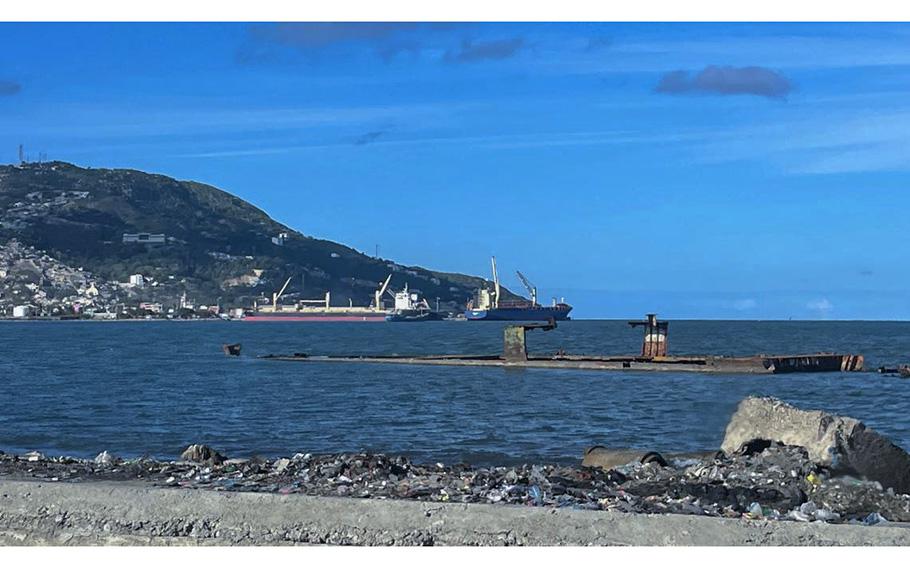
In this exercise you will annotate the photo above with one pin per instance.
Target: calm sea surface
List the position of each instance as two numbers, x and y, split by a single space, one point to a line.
151 388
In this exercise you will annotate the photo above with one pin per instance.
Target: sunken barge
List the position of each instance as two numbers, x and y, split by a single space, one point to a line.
653 357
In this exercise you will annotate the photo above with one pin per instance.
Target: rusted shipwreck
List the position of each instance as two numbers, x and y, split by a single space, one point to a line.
653 357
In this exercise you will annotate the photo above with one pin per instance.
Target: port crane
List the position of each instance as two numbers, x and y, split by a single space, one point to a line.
380 292
532 289
495 283
278 294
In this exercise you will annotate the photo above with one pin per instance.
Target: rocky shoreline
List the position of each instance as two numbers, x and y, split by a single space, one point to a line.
776 482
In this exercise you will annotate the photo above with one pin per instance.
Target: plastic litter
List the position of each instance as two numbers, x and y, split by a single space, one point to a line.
874 519
755 511
105 458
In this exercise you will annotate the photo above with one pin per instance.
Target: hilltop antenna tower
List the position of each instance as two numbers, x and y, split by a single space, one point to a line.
21 154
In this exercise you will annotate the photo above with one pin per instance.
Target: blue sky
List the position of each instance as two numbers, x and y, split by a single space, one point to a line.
698 170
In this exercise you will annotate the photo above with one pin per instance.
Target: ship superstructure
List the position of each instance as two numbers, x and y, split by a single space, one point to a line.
409 307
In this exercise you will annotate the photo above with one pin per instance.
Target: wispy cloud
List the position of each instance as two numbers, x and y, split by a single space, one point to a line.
777 51
383 39
811 142
93 121
493 141
317 35
875 158
9 88
369 137
473 51
725 80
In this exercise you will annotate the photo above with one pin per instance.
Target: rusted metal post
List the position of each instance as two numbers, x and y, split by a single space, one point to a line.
655 340
514 346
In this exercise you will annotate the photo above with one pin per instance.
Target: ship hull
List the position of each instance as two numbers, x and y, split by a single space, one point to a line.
530 313
314 318
413 317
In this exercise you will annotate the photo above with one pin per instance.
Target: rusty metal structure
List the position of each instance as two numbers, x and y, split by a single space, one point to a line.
653 357
655 341
514 339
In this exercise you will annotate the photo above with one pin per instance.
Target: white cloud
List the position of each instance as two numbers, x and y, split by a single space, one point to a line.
744 304
822 305
776 51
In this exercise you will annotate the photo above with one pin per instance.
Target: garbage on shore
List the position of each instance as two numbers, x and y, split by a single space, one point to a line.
777 483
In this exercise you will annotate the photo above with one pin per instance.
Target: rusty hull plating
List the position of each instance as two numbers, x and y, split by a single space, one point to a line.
653 357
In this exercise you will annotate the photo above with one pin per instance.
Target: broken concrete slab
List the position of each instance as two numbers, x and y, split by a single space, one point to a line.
840 443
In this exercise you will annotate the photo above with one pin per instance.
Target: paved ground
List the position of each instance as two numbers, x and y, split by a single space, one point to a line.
41 513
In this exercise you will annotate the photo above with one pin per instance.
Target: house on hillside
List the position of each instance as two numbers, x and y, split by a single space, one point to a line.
144 238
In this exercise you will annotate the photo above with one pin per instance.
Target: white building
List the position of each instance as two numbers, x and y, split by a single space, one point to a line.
145 238
22 311
137 280
153 307
280 239
186 304
91 291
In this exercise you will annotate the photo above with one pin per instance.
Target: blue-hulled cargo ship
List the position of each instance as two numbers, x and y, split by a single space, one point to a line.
528 312
486 305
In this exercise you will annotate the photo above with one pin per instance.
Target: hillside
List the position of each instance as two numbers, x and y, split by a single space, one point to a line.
217 247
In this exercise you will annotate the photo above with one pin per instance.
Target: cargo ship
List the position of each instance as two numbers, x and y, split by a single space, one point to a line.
320 310
408 307
486 304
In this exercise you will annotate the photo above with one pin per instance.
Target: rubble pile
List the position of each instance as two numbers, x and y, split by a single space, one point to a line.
772 482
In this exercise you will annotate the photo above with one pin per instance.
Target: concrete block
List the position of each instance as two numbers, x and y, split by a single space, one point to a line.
841 443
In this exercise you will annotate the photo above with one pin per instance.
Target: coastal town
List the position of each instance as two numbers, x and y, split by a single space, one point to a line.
34 285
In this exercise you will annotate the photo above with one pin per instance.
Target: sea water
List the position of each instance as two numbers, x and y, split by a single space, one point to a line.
153 387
